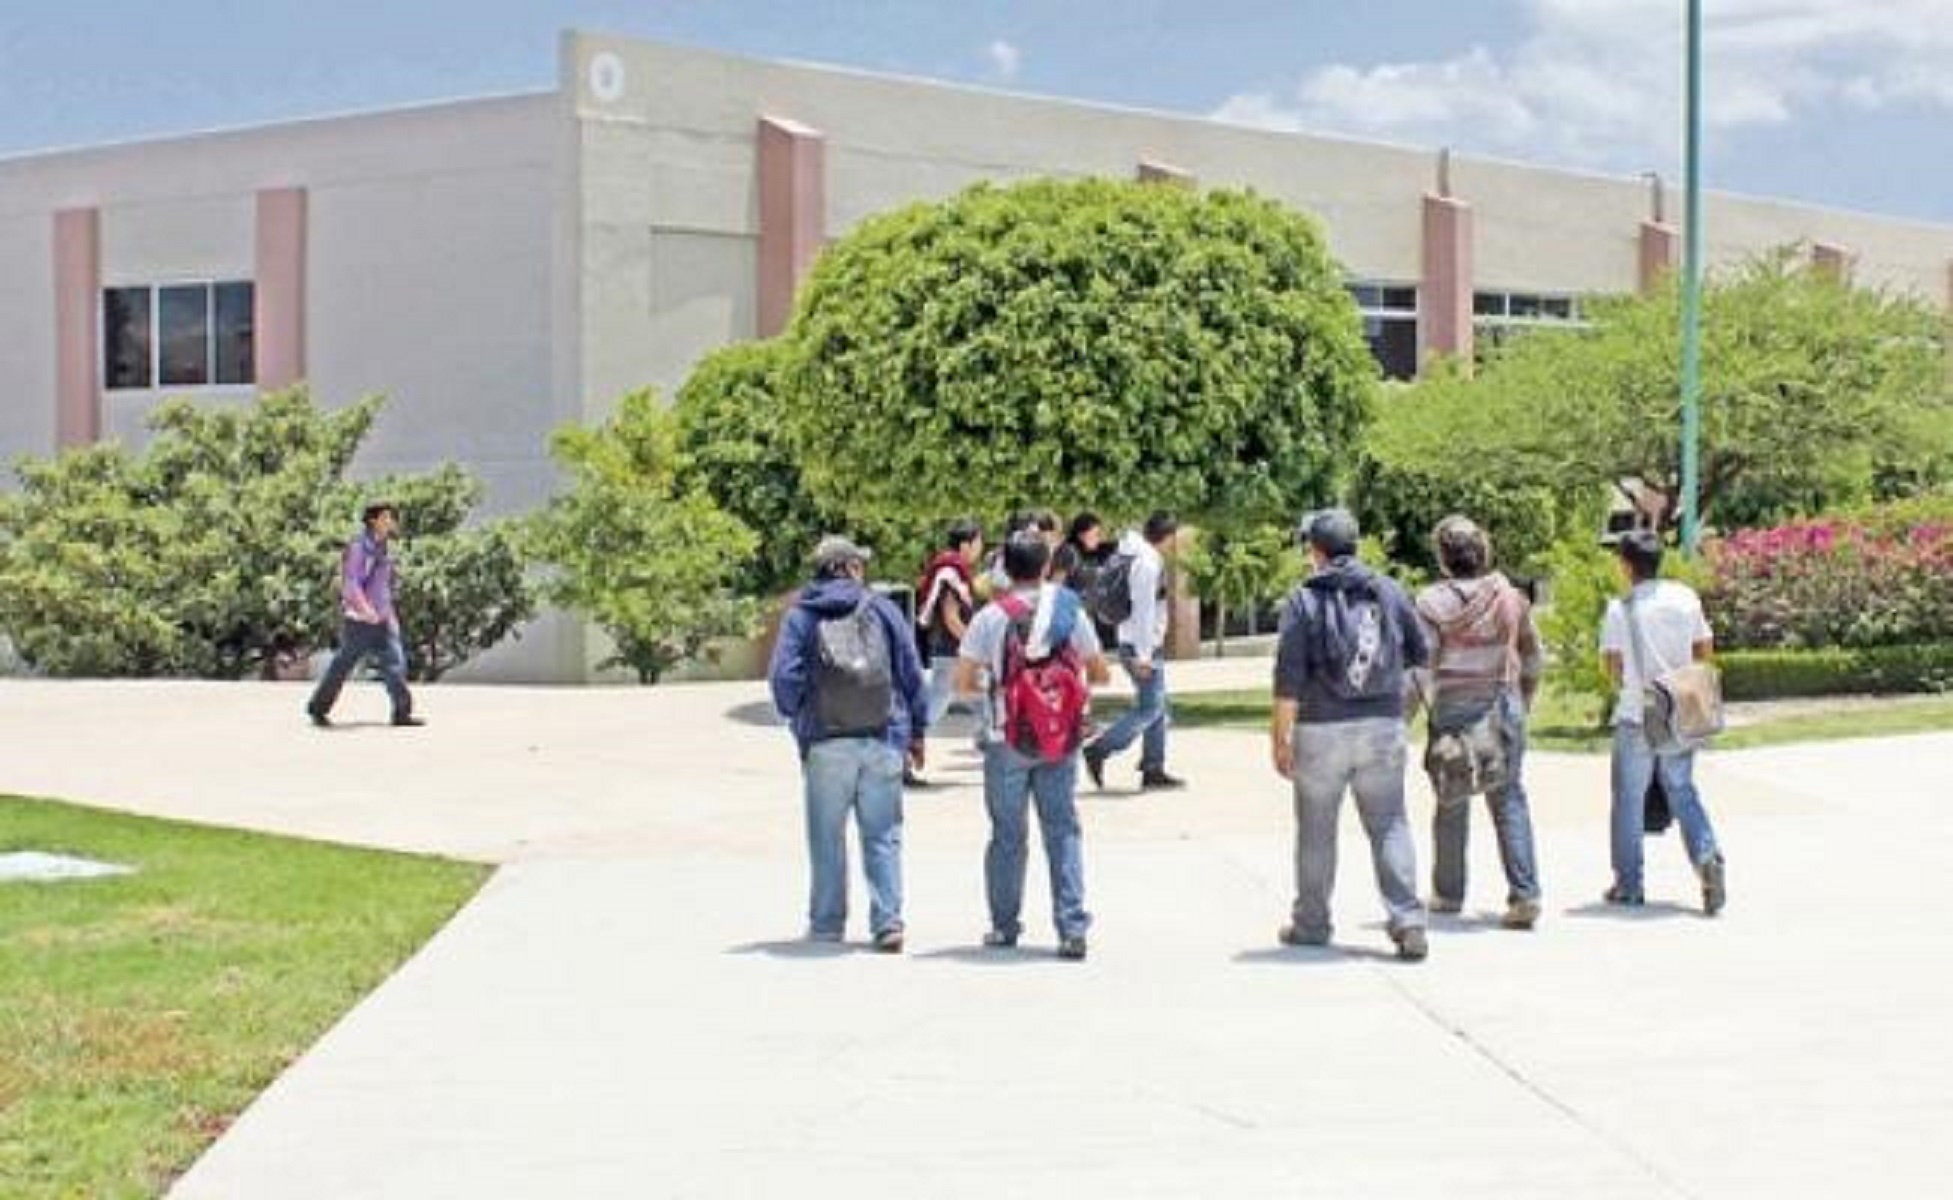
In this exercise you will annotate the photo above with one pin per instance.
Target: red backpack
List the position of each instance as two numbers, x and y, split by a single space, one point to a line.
1044 699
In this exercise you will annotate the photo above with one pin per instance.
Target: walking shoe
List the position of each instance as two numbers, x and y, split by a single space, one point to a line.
409 722
823 935
1715 887
1072 949
1615 895
1445 906
1295 935
889 941
997 939
1159 781
915 782
318 718
1520 914
1411 944
1095 764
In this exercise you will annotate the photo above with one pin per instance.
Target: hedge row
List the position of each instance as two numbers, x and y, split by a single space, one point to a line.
1835 671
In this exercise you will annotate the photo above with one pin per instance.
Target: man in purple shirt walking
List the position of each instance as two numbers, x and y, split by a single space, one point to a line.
369 626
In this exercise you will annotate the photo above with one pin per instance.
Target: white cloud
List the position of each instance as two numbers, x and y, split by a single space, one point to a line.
1004 58
1598 82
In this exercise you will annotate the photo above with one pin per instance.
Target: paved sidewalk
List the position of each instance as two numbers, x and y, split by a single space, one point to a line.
625 1010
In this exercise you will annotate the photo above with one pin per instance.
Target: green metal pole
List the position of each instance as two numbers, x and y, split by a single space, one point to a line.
1692 290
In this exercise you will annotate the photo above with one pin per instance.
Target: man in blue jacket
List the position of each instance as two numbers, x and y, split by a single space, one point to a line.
846 676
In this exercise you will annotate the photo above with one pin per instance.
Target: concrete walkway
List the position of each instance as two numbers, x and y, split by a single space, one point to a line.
626 1011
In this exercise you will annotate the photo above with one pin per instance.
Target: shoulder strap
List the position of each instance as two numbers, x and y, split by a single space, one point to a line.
1635 646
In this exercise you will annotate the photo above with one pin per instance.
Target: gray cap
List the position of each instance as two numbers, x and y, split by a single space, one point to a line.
836 551
1331 530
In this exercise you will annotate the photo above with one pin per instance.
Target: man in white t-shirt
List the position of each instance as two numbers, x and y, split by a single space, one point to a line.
1657 627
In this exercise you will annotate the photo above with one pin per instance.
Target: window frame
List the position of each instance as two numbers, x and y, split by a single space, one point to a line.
155 288
1383 310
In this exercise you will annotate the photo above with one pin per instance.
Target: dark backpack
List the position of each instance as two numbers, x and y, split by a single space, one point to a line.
854 683
1044 699
1359 649
1108 592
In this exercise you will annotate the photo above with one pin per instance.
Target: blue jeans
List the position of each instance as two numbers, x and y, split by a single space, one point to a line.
1365 757
863 774
1148 715
1451 824
358 640
1010 782
1635 764
942 688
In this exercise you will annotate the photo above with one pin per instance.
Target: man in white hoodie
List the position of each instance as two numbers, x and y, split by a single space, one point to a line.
1142 643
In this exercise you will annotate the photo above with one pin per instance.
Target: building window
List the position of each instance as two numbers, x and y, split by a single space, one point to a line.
1390 325
178 335
1499 316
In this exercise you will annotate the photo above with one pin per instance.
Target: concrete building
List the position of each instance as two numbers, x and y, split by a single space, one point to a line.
502 265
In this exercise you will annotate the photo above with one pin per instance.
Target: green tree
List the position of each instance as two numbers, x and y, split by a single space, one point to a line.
733 446
652 564
1075 343
1814 393
214 551
1243 569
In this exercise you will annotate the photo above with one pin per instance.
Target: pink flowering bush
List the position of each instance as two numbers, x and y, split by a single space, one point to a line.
1854 583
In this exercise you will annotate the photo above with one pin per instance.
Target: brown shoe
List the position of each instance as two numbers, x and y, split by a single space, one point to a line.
1520 914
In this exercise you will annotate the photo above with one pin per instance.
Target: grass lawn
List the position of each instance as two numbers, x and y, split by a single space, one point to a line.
1565 722
140 1014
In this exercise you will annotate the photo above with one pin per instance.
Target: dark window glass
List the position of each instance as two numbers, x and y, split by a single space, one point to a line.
183 335
1366 295
1393 340
1402 299
1560 308
236 345
1524 306
1488 304
125 337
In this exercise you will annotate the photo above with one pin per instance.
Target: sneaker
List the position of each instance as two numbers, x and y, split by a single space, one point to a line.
1715 887
914 782
1411 944
319 718
1619 895
1444 906
889 941
409 722
1072 949
997 939
1159 781
1295 935
1520 914
1095 765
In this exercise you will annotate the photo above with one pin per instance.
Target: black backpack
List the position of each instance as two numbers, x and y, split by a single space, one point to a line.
1359 649
1108 592
854 683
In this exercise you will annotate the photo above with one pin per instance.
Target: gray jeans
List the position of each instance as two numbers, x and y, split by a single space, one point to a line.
1365 757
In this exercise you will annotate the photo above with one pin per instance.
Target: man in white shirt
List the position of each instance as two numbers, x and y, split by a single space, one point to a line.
1657 627
1142 642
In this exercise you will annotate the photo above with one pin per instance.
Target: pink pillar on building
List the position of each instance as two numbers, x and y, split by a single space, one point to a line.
278 312
1831 259
792 214
1661 252
1154 171
77 327
1444 307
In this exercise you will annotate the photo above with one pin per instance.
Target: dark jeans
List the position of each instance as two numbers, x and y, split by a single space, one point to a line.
358 640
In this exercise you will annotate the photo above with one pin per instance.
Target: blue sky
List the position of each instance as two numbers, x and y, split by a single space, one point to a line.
1846 103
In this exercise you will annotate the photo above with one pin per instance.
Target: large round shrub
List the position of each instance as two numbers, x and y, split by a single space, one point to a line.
1117 345
732 446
